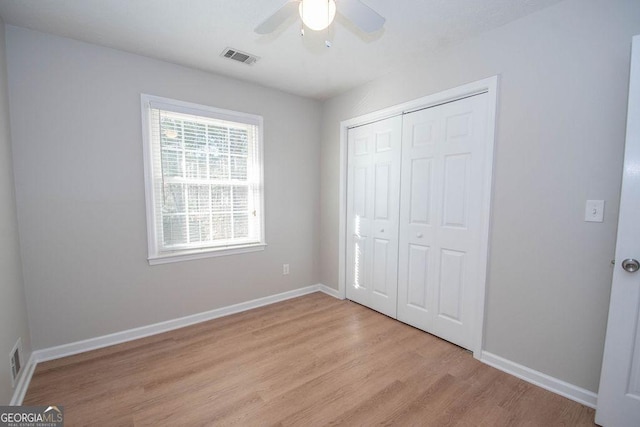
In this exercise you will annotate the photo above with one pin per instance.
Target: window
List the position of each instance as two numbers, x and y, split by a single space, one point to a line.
203 175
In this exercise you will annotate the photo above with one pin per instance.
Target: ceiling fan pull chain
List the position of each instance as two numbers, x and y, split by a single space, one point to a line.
301 21
327 42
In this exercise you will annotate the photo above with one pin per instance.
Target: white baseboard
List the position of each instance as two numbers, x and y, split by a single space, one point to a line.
547 382
169 325
70 349
23 382
329 291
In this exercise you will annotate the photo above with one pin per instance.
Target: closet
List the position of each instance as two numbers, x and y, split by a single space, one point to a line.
416 206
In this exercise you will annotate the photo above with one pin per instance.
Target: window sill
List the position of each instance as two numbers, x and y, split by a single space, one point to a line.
204 253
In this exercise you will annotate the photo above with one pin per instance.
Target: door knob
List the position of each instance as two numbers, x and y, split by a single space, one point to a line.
419 235
631 265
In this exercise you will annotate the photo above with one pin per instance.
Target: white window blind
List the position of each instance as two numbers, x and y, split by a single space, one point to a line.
206 179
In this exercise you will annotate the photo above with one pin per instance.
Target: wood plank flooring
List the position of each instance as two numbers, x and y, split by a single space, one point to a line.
308 361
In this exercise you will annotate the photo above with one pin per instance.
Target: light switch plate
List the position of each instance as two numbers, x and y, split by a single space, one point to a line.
594 211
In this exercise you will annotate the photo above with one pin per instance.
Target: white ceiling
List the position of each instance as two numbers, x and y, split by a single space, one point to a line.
194 33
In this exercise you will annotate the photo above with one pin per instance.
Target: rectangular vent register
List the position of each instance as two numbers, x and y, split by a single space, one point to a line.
236 55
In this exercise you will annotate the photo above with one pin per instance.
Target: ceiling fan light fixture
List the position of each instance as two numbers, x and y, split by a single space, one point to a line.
317 14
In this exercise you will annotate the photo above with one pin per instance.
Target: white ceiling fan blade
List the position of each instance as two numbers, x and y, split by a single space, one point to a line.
270 24
365 18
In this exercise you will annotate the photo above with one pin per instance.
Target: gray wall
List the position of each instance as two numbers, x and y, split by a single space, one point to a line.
13 309
75 115
560 135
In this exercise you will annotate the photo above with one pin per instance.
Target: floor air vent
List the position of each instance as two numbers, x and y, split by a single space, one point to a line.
239 56
15 361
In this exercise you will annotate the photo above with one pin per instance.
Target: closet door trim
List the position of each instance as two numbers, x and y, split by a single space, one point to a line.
489 86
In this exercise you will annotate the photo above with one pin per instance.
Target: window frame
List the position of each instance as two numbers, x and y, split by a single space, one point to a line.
155 255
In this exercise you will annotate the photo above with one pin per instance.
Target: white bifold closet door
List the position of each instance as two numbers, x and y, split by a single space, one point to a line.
373 194
443 154
414 211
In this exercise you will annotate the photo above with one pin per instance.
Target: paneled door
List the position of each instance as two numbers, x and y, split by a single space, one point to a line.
443 160
373 194
619 392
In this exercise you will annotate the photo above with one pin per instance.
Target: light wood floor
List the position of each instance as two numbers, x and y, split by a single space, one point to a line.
313 360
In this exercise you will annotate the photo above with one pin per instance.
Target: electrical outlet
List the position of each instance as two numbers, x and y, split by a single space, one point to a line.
285 269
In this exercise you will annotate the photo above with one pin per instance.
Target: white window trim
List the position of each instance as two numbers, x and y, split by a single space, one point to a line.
154 256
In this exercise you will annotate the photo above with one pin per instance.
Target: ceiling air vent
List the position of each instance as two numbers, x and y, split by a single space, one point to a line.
239 56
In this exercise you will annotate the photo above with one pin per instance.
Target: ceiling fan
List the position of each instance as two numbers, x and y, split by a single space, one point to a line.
318 15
